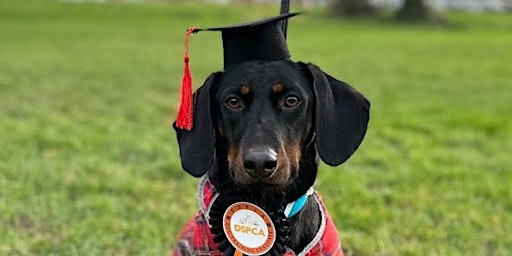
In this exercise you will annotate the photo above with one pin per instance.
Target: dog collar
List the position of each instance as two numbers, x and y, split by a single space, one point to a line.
294 207
207 194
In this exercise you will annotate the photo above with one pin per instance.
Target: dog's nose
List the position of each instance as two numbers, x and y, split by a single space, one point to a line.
260 162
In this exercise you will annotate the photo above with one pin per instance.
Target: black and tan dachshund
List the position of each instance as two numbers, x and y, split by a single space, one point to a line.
260 129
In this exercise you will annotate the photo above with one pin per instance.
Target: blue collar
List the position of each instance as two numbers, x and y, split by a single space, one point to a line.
294 207
206 195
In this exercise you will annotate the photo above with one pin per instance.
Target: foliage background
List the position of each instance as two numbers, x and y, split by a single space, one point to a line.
89 164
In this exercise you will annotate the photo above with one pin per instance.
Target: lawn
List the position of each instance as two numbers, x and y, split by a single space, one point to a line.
89 163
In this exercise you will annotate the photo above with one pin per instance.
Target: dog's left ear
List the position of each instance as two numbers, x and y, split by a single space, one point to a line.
341 117
197 146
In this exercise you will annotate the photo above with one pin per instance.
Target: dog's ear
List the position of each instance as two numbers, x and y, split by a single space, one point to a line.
197 146
341 117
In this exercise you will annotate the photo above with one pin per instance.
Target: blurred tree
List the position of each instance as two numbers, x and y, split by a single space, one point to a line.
417 11
352 8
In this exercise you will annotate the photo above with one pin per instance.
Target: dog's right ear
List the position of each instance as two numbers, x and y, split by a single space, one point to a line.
197 146
341 117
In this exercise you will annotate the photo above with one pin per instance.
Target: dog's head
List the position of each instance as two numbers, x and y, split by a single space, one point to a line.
263 113
260 117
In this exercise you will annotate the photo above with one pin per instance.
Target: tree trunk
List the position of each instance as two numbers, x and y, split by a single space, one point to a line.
417 11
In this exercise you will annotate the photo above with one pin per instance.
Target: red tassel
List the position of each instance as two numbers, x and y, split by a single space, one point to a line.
186 112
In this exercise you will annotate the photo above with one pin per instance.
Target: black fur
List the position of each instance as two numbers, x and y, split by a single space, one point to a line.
252 136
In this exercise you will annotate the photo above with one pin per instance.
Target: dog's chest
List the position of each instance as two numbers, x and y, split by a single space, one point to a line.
197 239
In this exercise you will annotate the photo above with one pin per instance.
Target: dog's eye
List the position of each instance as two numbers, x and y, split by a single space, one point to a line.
233 102
291 101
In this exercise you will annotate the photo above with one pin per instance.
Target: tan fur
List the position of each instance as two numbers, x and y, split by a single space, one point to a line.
244 89
277 88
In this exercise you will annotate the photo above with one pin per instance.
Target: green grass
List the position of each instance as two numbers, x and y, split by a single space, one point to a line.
89 164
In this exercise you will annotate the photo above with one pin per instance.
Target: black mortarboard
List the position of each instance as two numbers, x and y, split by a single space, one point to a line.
262 40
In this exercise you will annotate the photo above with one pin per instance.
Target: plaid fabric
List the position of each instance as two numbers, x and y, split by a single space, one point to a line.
197 240
329 244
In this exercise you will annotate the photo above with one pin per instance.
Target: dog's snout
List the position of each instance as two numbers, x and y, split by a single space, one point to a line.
260 162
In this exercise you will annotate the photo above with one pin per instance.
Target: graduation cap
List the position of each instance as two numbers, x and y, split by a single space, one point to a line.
262 40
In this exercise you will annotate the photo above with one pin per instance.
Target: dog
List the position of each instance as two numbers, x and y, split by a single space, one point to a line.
260 130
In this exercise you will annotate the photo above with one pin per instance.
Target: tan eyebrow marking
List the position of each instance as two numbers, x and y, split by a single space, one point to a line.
244 89
277 88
